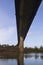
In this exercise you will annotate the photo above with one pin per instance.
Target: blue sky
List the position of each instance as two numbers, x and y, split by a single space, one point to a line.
8 30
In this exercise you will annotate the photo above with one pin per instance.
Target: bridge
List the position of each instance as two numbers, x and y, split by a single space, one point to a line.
25 13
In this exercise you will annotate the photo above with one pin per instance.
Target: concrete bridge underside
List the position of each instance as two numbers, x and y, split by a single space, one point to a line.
25 13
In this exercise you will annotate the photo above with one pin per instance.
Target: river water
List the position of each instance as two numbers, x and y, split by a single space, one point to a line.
24 59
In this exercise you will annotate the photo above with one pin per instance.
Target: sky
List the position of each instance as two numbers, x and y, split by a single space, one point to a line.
8 28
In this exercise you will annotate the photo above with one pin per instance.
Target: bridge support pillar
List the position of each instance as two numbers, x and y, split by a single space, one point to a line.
21 44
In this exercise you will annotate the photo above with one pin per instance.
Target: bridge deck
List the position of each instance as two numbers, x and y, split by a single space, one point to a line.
25 13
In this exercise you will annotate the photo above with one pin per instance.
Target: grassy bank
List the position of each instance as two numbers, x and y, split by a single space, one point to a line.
13 49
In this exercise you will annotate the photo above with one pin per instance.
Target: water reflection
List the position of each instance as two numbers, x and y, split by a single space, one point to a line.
34 55
41 56
20 58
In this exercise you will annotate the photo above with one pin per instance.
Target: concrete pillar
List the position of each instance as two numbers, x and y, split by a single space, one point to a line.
21 27
21 44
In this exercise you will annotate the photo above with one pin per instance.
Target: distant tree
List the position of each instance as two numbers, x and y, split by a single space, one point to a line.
0 45
12 45
7 44
36 47
4 45
41 47
25 47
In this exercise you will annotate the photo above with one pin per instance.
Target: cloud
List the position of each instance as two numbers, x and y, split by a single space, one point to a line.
7 34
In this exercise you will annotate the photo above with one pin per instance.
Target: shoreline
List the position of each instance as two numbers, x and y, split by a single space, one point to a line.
8 52
14 49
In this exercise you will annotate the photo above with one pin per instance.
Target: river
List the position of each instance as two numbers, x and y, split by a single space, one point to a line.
24 59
